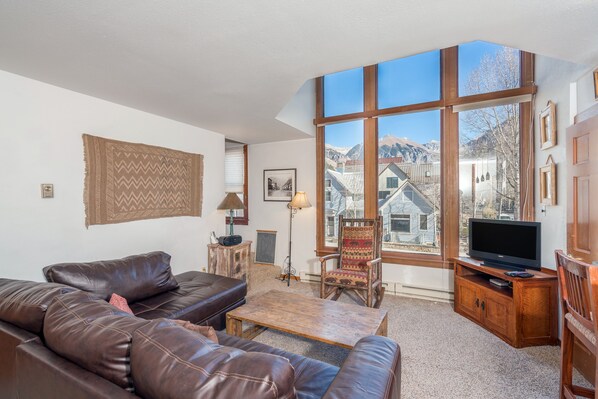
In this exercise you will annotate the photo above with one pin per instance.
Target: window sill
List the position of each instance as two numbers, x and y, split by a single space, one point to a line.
402 258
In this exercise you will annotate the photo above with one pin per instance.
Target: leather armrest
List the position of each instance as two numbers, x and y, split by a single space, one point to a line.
43 374
372 370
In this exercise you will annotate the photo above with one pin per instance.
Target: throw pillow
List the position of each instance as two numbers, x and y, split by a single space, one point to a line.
120 303
206 331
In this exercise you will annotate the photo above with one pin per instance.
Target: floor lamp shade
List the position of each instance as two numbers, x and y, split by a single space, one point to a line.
300 201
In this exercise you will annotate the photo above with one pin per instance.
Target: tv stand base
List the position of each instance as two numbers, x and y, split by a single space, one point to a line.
522 315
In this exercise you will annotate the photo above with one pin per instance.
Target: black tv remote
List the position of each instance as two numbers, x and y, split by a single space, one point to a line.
519 274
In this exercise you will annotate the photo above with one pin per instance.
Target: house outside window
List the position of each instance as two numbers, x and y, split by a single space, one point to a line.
328 196
400 223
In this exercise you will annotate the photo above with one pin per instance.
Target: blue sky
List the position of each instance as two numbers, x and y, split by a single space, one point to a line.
404 81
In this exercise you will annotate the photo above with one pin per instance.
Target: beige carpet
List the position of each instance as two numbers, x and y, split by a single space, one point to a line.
444 355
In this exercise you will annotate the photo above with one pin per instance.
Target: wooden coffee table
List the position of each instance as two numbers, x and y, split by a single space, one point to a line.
319 319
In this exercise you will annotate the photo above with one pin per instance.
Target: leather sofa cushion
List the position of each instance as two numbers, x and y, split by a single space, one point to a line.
92 334
164 354
312 377
24 303
198 297
134 277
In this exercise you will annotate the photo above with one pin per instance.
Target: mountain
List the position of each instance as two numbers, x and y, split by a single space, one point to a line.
388 147
392 146
482 145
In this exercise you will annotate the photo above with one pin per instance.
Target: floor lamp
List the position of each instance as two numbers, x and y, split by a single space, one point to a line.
299 201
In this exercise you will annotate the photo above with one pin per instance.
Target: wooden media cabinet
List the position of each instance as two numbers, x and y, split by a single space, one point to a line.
523 314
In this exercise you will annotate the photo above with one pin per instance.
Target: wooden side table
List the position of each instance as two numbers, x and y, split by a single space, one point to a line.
230 261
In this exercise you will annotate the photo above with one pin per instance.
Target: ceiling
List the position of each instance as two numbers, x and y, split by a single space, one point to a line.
231 66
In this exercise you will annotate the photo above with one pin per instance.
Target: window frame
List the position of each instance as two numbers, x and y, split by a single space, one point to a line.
423 218
243 221
400 217
449 179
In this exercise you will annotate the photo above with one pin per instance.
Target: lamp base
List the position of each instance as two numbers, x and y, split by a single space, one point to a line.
229 241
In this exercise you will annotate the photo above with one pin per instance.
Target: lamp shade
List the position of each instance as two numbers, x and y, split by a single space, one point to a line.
300 201
231 201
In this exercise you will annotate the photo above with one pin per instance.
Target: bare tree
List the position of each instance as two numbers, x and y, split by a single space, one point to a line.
494 131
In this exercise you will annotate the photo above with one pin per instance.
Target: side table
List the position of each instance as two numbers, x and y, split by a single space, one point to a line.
230 261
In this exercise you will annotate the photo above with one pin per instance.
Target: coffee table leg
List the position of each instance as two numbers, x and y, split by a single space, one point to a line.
383 329
234 326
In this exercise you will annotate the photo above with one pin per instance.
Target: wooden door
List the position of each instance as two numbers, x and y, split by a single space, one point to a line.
582 212
582 189
497 313
467 298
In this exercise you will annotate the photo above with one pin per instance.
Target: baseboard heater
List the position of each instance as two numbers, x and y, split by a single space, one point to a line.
395 288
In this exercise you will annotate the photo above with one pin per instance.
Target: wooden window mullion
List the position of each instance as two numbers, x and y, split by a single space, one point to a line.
370 145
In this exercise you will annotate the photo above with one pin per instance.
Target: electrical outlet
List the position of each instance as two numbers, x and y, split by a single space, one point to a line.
47 190
543 209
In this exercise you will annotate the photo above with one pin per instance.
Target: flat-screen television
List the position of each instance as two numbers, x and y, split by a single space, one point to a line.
506 244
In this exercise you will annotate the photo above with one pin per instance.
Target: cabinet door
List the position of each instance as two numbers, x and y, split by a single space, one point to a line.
240 262
497 313
467 299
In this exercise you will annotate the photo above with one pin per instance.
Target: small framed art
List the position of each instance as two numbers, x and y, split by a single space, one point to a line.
280 184
548 126
548 183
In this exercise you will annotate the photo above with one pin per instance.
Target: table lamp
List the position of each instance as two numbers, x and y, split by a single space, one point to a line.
231 202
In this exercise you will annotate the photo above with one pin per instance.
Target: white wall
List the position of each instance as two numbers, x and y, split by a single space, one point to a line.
585 90
40 142
553 78
299 154
298 112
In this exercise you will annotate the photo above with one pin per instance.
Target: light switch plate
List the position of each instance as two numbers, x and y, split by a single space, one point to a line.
47 191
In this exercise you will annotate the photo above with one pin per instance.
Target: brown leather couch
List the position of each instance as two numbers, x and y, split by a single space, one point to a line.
147 283
56 342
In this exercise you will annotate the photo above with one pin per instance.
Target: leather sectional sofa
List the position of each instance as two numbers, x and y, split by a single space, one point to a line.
57 341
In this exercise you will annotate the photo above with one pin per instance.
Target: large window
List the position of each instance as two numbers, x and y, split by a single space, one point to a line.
344 169
408 147
235 179
408 139
409 80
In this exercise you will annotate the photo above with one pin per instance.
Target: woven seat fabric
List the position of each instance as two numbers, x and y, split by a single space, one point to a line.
358 247
589 334
347 277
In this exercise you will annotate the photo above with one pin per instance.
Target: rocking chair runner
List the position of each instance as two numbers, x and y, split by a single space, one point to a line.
359 262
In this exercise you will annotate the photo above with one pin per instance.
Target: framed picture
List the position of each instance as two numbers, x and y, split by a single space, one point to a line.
548 126
548 183
596 84
280 184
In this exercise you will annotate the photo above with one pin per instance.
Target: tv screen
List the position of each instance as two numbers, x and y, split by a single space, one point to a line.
506 243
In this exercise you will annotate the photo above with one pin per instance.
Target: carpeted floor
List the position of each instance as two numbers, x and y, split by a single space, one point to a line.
444 355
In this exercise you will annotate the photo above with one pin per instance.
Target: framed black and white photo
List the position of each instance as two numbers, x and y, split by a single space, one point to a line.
280 184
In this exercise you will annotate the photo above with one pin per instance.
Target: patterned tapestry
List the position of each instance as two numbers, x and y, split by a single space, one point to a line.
129 181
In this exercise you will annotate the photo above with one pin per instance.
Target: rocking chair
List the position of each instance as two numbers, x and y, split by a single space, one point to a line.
359 262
